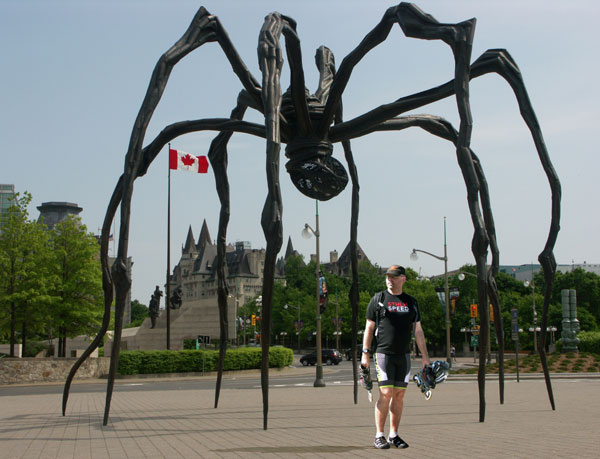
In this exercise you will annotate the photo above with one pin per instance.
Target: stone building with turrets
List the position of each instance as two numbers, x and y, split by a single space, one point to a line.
196 272
342 265
196 275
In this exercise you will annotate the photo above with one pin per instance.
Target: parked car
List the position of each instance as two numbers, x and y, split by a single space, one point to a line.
328 356
358 353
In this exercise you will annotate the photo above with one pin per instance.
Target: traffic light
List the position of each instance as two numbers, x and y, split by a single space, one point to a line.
491 313
474 311
253 319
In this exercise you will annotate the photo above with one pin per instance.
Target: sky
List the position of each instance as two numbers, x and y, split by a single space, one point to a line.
74 75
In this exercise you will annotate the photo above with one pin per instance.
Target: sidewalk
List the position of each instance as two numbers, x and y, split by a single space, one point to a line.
304 422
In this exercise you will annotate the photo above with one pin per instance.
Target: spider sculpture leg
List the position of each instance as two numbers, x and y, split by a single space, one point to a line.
218 159
326 65
271 62
107 286
191 40
444 129
497 61
492 271
459 37
204 28
353 294
500 61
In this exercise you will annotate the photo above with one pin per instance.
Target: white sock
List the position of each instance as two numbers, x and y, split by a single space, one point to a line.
379 434
393 434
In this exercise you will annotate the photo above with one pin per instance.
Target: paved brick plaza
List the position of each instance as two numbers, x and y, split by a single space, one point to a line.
304 422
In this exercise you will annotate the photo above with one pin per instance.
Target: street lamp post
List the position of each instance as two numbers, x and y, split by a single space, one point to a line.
238 325
306 232
414 256
259 305
551 329
337 331
535 327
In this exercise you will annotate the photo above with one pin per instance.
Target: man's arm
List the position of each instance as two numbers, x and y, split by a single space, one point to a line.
367 340
420 340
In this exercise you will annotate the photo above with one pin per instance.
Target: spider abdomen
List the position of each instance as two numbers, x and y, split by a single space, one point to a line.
313 169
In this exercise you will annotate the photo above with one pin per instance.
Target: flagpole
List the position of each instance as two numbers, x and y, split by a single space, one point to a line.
168 287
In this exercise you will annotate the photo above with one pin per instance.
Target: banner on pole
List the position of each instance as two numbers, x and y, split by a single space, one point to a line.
454 295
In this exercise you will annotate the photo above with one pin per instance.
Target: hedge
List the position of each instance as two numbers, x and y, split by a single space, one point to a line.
589 342
157 362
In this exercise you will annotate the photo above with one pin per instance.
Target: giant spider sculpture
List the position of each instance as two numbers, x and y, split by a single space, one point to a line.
309 124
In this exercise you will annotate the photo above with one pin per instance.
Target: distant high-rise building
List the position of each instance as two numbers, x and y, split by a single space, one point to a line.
53 212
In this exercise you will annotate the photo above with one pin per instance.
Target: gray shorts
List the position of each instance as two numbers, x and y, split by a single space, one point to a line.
393 370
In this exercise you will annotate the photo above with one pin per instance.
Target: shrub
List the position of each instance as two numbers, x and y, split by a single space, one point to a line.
558 345
33 348
157 362
589 342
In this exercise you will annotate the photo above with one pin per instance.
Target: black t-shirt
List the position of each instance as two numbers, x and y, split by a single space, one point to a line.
397 314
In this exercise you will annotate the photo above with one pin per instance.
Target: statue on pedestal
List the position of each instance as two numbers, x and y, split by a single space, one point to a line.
154 305
176 298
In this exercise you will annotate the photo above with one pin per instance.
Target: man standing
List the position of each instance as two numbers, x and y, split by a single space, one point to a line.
392 317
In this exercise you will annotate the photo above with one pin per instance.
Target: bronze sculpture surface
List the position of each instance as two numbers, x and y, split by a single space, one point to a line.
154 306
309 124
176 299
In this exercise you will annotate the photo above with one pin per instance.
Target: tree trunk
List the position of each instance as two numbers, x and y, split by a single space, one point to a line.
24 336
13 326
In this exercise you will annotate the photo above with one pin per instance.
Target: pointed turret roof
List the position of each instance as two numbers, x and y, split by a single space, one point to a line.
189 246
345 256
289 251
204 238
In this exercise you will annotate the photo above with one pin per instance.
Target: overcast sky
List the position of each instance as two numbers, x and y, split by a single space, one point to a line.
74 75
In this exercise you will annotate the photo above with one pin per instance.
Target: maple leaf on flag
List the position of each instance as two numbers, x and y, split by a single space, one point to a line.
188 160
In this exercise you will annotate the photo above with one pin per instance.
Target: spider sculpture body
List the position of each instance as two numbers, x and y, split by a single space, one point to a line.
309 124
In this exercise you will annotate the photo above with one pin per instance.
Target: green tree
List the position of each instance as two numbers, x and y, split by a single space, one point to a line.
432 318
370 278
298 274
24 273
78 307
139 312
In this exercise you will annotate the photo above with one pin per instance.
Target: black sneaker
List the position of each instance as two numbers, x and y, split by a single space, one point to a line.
398 442
381 443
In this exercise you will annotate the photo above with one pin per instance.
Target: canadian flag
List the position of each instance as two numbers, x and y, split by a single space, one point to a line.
180 160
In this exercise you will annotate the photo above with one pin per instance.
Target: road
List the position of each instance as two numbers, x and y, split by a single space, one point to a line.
297 376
